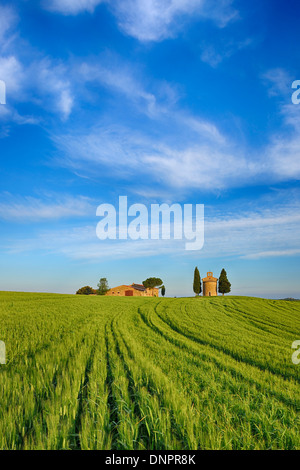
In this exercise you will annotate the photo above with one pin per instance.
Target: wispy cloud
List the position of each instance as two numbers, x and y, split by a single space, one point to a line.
282 153
247 233
31 77
28 208
12 72
8 19
272 254
253 233
176 142
152 20
213 55
132 155
278 82
71 7
119 78
43 82
203 162
51 79
178 150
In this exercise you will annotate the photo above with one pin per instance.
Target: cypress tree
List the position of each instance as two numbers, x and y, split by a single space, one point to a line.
224 284
197 282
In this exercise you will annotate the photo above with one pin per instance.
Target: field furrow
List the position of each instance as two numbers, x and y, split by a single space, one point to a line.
143 373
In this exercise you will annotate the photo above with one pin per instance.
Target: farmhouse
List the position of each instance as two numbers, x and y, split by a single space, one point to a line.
210 285
134 290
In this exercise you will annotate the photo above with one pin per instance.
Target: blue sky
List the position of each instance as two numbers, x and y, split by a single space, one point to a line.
170 101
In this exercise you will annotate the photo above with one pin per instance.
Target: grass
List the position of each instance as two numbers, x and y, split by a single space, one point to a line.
141 373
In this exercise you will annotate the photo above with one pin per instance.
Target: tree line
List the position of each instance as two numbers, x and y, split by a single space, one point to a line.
103 287
224 286
88 290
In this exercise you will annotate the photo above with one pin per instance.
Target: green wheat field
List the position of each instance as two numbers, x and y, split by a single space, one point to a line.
143 373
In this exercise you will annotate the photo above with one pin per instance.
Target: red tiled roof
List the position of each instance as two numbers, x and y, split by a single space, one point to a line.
138 286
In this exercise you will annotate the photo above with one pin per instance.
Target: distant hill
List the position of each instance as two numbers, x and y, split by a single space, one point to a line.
292 299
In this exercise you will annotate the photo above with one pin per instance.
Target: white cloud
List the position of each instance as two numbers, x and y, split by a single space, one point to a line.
202 167
214 56
269 230
43 82
282 154
207 163
278 81
9 114
128 153
8 19
211 56
50 79
151 20
201 157
12 73
250 234
20 209
71 7
120 78
272 254
156 20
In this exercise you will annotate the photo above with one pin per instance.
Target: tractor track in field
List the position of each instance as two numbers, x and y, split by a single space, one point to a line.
132 374
43 347
40 400
112 403
82 396
132 387
224 368
272 370
150 386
